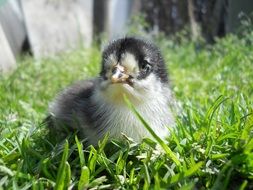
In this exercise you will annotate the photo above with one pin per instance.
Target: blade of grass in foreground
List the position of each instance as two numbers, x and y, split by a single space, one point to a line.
84 179
186 173
80 151
210 113
63 175
167 150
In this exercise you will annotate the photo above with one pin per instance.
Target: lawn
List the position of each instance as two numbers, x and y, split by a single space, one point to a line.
212 147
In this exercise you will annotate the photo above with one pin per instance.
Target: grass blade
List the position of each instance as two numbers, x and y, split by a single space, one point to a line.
62 172
167 150
80 151
84 179
187 173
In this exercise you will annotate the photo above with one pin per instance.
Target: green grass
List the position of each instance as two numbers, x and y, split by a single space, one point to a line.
212 147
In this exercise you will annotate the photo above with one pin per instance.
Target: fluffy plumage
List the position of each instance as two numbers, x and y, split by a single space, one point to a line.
130 67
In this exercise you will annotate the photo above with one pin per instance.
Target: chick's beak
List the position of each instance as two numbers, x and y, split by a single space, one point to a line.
119 74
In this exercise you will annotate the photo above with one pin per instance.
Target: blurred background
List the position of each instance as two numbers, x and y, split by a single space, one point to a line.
45 28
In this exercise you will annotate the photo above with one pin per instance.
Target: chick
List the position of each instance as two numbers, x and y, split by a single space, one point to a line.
130 67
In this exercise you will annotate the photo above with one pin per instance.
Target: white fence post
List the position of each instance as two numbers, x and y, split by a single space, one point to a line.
60 25
7 60
12 20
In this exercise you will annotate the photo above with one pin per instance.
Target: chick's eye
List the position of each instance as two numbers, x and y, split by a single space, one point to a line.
146 67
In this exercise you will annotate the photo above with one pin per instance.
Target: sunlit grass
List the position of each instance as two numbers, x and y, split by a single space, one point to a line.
212 147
